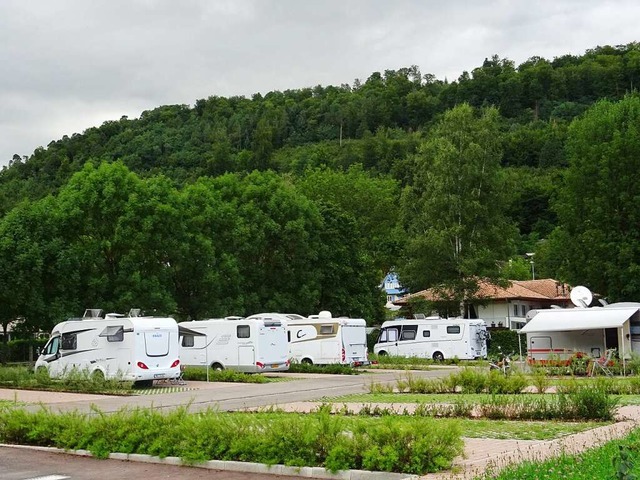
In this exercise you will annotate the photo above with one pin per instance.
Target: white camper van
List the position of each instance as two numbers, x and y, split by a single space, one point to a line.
433 337
242 344
323 340
138 349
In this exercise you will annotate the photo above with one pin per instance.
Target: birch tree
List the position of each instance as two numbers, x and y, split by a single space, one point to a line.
453 212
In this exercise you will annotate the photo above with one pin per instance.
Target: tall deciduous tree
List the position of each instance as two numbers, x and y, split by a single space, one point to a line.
454 212
598 205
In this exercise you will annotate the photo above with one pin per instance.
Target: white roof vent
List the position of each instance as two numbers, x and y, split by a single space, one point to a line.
324 314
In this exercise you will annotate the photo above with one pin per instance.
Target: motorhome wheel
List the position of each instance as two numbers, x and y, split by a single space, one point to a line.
307 361
217 367
438 356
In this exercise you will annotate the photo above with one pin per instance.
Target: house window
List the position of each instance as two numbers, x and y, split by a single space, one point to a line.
453 329
243 331
523 309
188 341
515 310
426 333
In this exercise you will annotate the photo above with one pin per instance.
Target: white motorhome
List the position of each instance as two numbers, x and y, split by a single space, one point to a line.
243 344
131 348
324 340
433 337
559 334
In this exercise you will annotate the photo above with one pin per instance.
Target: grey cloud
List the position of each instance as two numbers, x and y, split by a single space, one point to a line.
72 64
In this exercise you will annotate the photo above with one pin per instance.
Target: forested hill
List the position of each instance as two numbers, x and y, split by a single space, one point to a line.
302 199
388 113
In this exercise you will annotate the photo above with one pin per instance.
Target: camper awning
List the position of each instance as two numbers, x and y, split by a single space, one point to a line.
572 319
182 331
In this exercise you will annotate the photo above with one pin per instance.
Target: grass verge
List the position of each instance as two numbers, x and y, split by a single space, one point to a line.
619 459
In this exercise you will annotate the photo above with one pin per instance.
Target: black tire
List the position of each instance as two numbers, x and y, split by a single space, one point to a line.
438 357
217 367
97 376
307 361
382 353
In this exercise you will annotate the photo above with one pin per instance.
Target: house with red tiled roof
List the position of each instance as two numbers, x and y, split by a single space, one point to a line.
506 306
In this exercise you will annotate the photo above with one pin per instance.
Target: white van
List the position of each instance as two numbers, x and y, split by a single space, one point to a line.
243 344
433 337
323 340
132 348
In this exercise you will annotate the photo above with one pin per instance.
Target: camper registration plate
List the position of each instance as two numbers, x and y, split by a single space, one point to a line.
274 365
158 375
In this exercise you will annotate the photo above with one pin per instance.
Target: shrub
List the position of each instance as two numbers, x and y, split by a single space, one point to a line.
320 439
332 369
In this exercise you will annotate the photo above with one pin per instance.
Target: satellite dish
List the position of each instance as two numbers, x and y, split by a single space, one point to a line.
581 296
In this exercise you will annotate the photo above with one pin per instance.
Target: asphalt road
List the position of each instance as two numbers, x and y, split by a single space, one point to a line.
23 464
238 396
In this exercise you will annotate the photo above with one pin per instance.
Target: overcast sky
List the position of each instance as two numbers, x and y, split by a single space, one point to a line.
68 65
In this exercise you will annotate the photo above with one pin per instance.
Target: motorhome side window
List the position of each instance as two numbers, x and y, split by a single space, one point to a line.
187 341
118 336
388 335
426 333
69 341
243 331
408 332
453 329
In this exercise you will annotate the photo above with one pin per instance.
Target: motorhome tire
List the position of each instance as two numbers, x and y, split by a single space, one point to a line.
382 353
438 357
143 384
97 376
217 367
307 361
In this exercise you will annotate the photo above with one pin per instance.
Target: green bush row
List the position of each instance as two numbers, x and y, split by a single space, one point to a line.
335 369
200 374
335 442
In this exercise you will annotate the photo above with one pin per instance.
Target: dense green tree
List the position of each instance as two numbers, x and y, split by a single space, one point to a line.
453 212
597 207
370 201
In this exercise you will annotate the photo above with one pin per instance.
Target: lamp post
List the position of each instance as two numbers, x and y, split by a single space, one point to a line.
533 266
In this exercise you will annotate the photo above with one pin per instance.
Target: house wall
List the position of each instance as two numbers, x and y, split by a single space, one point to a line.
511 314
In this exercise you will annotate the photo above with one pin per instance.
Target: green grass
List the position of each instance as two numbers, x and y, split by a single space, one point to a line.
618 459
76 381
515 430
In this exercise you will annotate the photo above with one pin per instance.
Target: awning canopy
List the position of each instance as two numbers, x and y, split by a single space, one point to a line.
182 331
572 319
